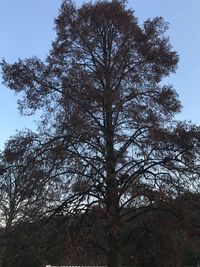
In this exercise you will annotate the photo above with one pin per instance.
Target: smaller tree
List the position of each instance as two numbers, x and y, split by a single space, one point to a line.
19 180
28 187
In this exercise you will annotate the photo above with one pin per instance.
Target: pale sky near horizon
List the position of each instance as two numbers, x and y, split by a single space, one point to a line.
26 30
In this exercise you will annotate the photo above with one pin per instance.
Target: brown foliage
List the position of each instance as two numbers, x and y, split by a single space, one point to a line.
107 121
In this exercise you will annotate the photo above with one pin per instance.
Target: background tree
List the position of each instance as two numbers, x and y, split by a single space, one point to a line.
107 119
28 190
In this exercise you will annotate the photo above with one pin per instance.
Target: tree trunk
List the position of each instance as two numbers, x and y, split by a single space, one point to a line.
112 194
114 227
114 255
113 218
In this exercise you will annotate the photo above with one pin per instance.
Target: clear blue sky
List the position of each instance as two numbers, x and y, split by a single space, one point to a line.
26 29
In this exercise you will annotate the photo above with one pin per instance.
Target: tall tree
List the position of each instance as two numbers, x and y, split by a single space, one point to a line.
106 115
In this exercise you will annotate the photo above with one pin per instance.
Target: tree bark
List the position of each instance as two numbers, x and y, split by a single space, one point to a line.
112 198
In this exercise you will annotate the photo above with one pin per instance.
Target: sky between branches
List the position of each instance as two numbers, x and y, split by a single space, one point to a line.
26 30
